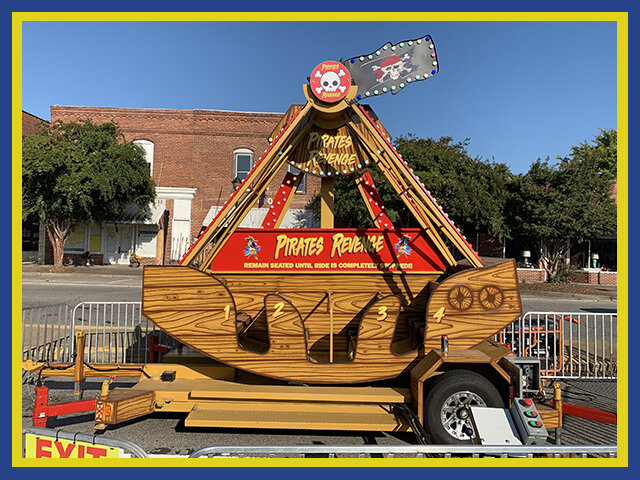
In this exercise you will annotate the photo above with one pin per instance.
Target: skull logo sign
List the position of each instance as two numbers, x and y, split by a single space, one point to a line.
330 81
392 67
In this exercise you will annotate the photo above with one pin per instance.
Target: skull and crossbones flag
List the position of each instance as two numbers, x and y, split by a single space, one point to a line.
392 67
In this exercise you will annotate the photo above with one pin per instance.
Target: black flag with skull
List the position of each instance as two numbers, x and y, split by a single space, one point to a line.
392 67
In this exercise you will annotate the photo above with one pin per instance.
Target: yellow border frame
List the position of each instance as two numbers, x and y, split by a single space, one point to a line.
621 19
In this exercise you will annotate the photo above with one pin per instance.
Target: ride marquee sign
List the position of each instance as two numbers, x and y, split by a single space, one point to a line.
336 250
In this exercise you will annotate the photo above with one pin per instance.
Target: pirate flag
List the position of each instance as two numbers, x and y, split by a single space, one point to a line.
393 67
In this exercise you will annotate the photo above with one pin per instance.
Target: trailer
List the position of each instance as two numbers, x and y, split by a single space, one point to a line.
434 402
380 328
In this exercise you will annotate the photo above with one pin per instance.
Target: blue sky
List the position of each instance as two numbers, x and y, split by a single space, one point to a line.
518 90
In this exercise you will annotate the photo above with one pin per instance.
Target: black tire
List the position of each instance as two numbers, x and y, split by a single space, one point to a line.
446 417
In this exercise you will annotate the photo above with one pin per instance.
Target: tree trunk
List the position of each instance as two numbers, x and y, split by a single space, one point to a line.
57 234
552 253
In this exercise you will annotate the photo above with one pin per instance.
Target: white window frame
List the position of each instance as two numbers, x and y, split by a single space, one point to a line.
148 147
236 153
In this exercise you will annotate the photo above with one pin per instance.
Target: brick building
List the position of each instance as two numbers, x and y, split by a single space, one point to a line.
31 123
194 156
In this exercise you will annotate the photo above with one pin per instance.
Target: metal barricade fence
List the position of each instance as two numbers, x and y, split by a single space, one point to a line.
342 451
410 451
569 345
47 333
115 332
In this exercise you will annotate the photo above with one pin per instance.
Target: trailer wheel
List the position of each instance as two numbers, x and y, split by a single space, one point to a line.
446 406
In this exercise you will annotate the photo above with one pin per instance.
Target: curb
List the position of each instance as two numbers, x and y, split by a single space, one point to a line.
569 296
68 276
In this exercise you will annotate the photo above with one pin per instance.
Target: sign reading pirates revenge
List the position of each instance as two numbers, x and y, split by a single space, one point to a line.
393 67
344 250
329 152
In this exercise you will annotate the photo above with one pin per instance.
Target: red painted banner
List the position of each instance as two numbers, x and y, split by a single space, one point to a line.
335 250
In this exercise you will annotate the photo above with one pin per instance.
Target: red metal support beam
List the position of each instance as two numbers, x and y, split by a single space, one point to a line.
373 201
156 348
42 410
281 201
589 413
447 226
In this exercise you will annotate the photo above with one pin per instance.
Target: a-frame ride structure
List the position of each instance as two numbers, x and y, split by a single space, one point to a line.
372 145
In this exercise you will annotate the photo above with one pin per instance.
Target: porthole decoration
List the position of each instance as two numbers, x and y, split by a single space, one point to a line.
460 297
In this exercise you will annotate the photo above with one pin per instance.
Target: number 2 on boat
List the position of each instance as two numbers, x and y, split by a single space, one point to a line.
278 310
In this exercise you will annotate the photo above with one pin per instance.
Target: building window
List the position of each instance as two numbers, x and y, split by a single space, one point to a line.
30 235
302 187
76 241
242 163
147 145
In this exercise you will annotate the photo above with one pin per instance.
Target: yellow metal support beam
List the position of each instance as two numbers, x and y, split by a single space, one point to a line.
275 161
327 202
253 177
443 223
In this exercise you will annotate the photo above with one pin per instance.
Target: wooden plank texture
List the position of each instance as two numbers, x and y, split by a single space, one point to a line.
371 314
473 305
127 404
199 310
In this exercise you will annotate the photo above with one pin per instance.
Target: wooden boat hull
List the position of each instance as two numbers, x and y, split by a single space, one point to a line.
328 328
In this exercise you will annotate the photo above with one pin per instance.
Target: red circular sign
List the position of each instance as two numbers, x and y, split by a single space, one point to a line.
330 81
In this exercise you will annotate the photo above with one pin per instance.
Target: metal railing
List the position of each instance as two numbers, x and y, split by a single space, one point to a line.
115 332
46 333
407 451
345 451
569 345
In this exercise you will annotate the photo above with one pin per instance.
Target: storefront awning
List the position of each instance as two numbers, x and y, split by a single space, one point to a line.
253 219
151 216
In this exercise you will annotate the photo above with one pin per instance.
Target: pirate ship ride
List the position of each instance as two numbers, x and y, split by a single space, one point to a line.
333 305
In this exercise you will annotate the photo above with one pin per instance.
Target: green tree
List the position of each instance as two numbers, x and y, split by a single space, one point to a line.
558 205
473 192
603 153
77 172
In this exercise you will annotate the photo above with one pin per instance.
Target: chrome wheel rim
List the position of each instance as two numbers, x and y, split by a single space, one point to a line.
455 413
